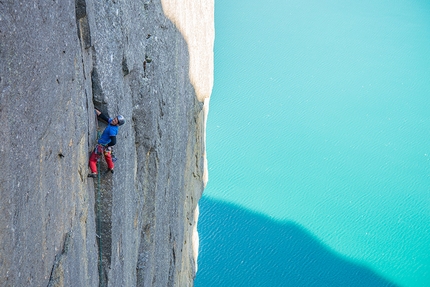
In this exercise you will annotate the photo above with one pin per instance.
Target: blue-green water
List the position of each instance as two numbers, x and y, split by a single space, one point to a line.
318 142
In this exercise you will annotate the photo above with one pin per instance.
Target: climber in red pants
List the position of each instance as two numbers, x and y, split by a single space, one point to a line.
105 143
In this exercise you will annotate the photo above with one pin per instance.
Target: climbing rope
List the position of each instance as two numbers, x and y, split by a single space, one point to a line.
101 278
99 236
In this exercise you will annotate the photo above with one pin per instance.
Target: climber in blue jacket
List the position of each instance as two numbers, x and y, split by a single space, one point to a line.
105 143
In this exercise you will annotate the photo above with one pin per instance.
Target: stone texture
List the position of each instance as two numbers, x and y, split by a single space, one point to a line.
59 59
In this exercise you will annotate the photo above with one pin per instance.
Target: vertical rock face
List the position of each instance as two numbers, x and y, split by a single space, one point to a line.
59 60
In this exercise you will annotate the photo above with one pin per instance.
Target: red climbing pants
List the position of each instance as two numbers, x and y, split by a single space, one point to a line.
95 155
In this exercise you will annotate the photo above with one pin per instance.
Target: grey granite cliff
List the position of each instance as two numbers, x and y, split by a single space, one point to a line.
138 58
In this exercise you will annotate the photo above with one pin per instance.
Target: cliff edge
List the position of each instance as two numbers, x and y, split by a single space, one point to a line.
149 60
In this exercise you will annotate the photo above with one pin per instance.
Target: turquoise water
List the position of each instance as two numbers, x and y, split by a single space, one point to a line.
319 130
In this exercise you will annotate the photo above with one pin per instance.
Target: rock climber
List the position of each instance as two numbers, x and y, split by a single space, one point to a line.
105 143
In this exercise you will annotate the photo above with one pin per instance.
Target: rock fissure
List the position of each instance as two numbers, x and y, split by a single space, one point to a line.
57 273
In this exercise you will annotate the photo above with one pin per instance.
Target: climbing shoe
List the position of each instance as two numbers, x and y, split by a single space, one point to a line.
110 170
93 175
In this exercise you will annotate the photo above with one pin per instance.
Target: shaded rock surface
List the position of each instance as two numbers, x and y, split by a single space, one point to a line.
59 60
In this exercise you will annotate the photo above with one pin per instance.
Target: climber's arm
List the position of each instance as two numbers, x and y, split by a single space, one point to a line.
102 116
112 141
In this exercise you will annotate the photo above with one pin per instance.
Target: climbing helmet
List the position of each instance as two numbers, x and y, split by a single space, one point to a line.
121 120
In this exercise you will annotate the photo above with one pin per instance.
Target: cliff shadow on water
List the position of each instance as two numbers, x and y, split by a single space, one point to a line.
242 248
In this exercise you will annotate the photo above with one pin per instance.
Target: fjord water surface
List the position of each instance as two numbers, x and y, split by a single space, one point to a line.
318 140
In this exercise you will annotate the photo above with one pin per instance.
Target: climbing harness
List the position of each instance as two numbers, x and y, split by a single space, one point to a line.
98 150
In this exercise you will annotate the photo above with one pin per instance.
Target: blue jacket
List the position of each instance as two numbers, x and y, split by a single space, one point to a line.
108 136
